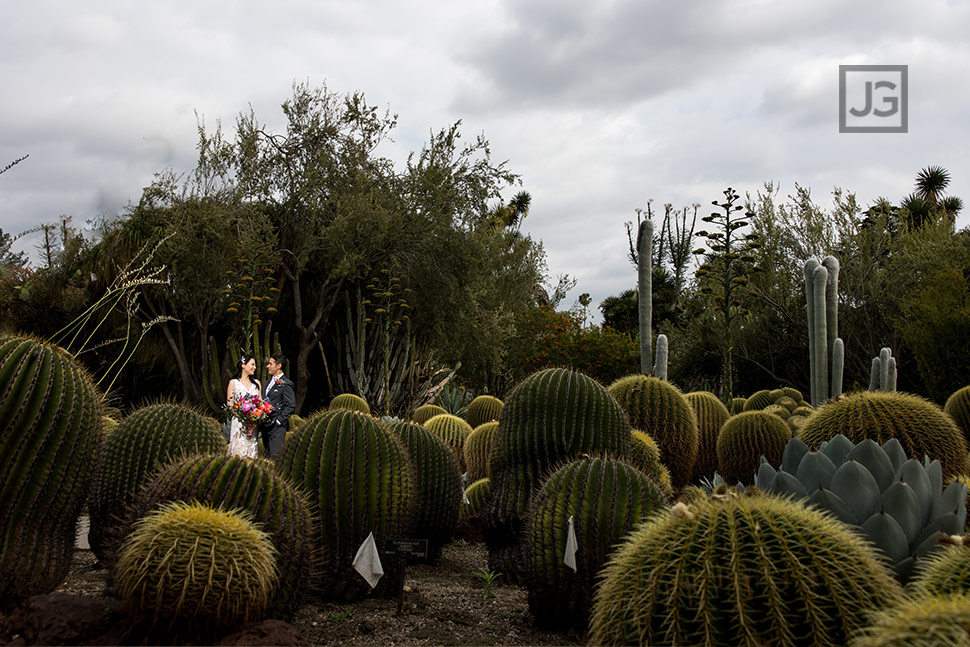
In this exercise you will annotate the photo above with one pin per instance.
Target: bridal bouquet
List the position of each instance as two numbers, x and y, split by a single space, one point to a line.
248 410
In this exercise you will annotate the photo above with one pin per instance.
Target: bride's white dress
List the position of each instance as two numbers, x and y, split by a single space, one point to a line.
240 444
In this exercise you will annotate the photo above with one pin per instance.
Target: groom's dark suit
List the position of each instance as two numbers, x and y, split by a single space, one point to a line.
282 396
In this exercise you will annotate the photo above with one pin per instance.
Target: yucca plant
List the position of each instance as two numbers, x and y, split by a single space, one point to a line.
146 440
898 503
739 570
50 444
192 571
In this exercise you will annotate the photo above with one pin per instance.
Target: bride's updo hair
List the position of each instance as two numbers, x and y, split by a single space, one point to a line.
242 362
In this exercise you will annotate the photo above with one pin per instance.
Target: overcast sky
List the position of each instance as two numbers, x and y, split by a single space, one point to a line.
599 106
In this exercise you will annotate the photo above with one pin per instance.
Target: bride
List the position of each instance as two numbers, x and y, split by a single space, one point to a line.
242 383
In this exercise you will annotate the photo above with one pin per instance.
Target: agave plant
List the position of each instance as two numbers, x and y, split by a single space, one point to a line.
897 502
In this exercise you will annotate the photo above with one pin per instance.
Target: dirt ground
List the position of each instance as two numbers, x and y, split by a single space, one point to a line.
446 604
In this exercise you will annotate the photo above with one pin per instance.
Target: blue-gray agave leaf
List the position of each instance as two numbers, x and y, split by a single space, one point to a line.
815 471
792 456
901 503
885 533
855 485
837 449
786 484
896 453
827 500
764 478
913 473
876 460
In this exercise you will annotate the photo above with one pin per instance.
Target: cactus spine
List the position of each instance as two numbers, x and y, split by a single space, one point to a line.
438 488
958 407
711 414
552 416
426 412
478 447
229 483
202 570
358 476
350 402
659 408
145 441
744 439
923 621
49 446
606 499
825 347
484 408
739 571
453 431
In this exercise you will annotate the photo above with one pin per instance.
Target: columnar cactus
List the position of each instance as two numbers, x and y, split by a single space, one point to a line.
958 407
145 441
197 570
605 498
825 348
350 402
882 377
744 439
358 476
484 408
711 414
426 412
920 426
899 504
552 416
660 409
439 488
648 363
50 442
739 571
453 431
478 447
229 483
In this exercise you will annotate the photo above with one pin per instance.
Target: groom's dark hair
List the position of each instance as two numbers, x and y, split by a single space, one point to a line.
280 359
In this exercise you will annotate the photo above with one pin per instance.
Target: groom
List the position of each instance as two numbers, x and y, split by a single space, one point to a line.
280 393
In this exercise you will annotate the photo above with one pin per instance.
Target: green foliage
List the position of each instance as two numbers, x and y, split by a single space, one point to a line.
958 407
552 416
761 571
484 408
545 338
936 324
453 431
350 402
898 504
477 449
919 425
360 480
454 399
438 491
711 414
658 408
925 621
229 483
50 442
196 570
744 439
488 578
145 441
606 498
